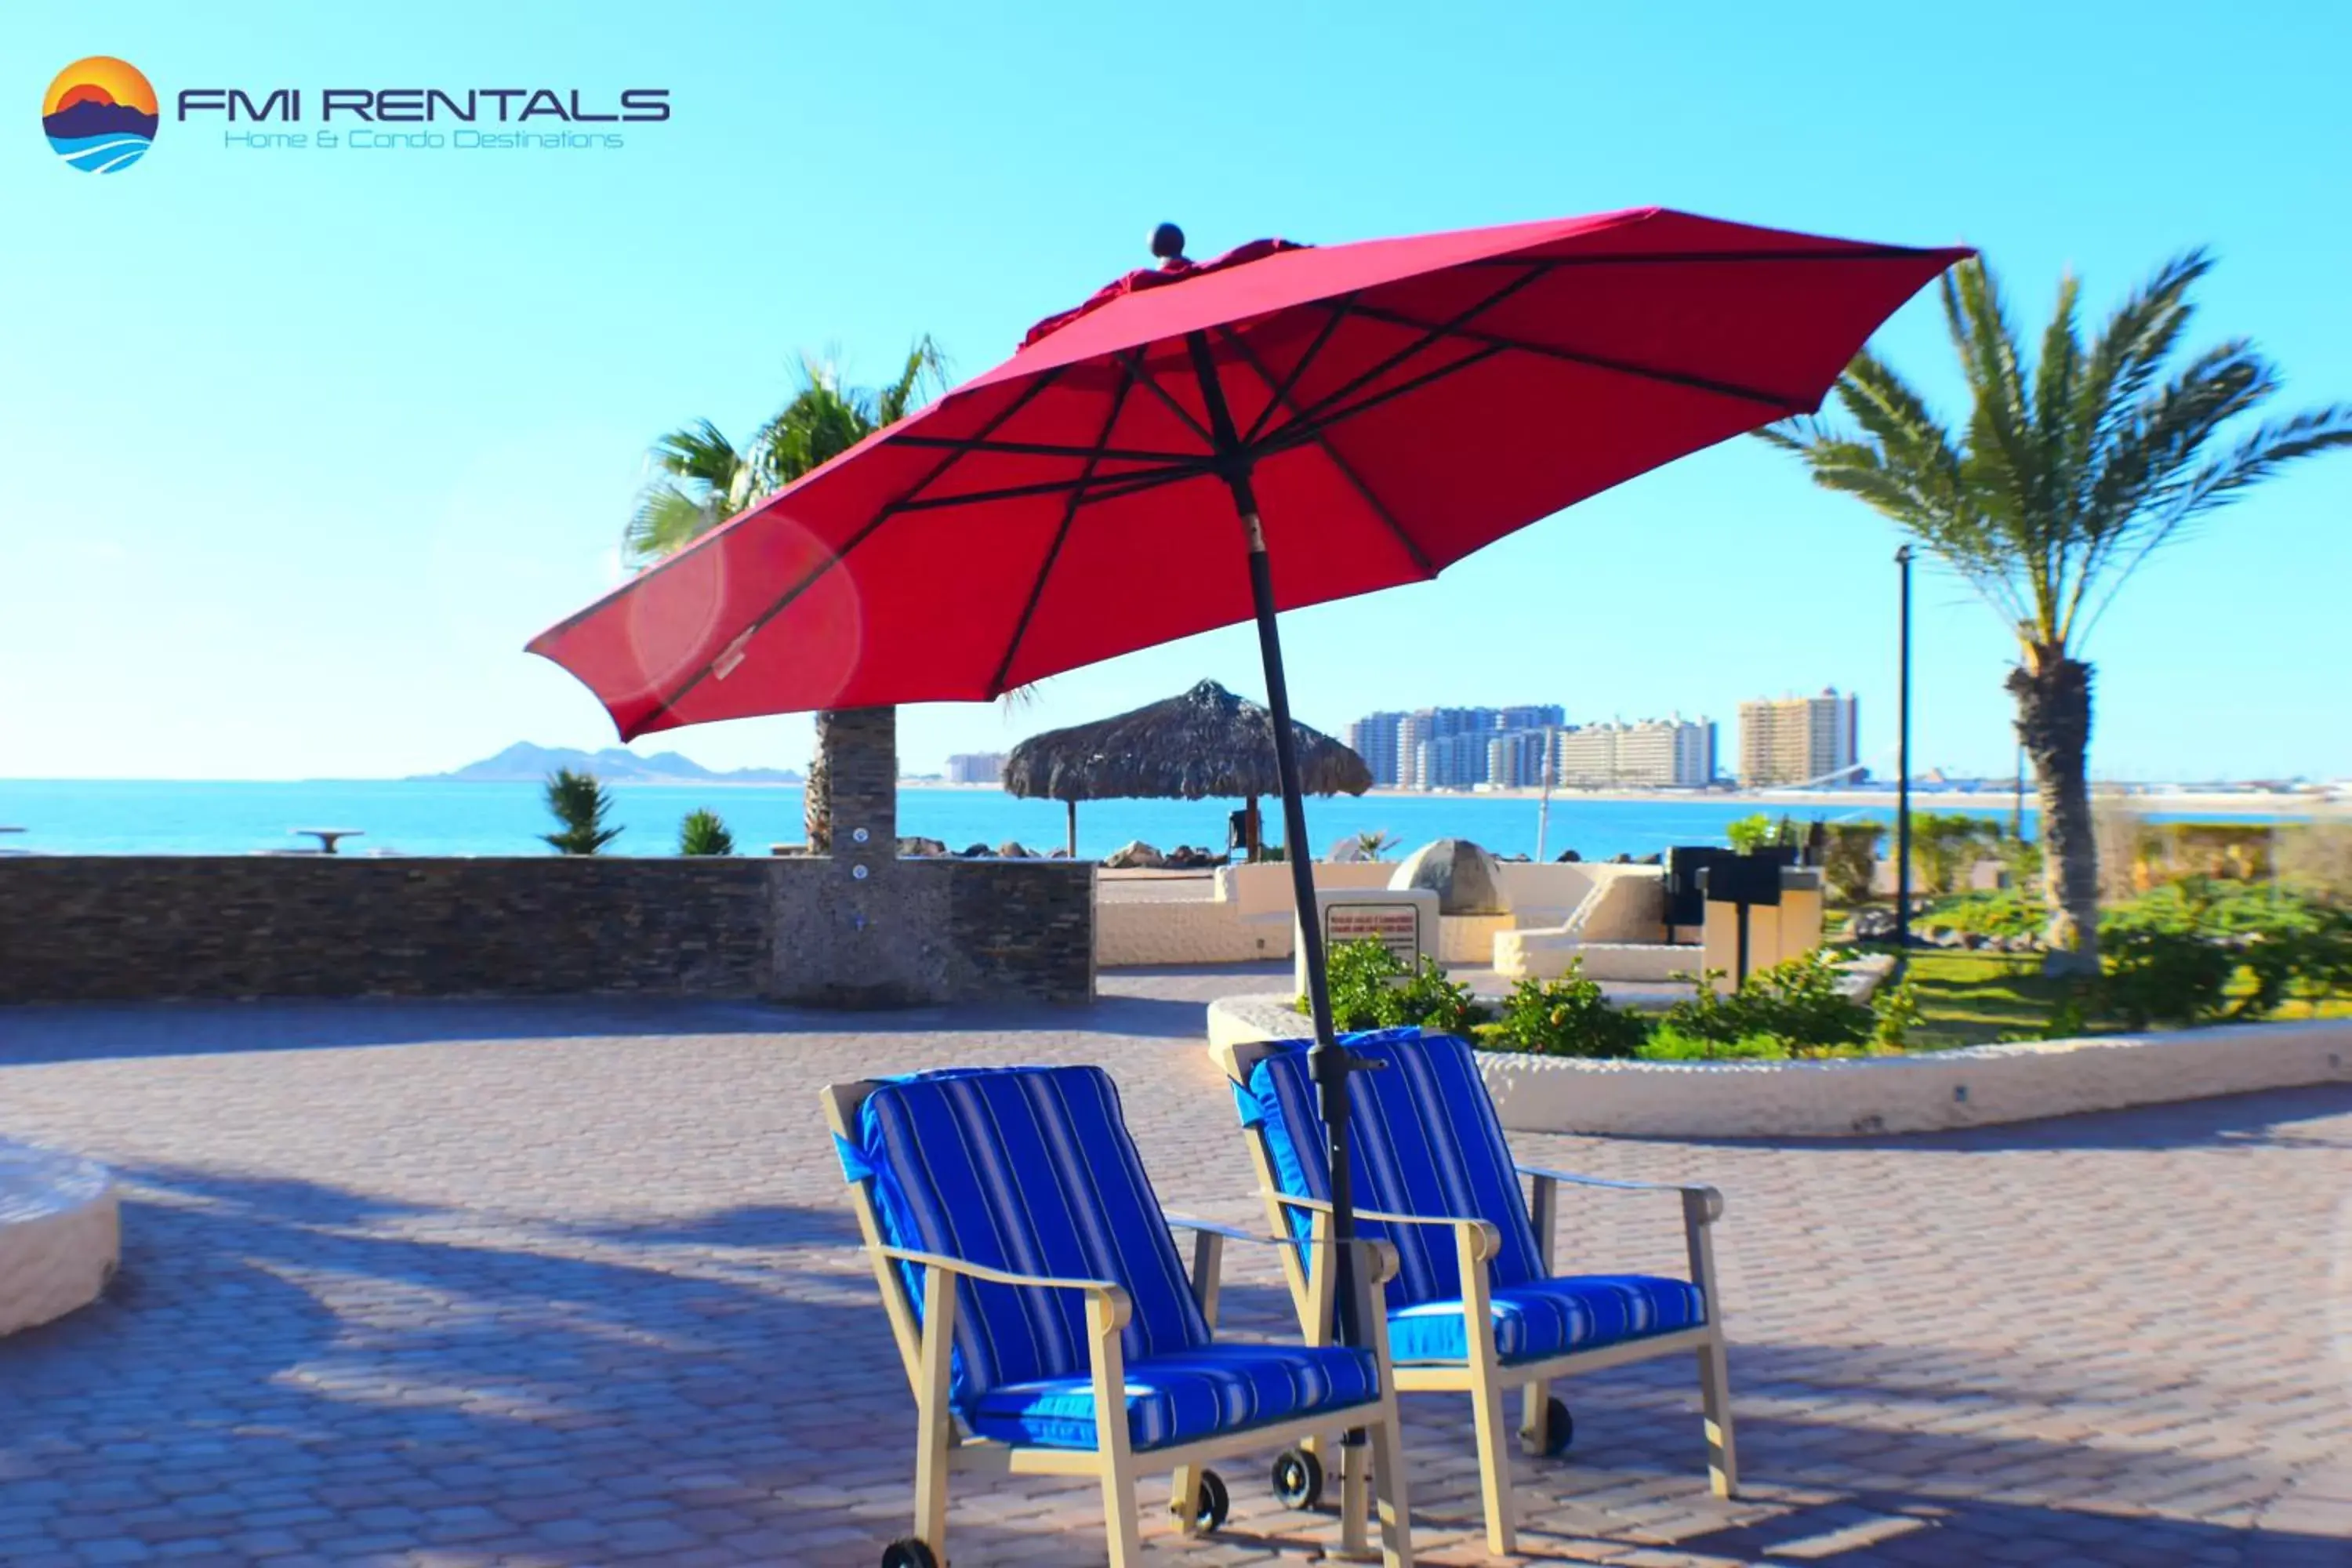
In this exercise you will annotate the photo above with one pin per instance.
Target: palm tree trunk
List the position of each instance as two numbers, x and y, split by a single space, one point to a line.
2054 724
855 768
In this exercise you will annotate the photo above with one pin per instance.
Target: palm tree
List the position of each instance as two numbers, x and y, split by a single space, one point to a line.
2070 472
702 480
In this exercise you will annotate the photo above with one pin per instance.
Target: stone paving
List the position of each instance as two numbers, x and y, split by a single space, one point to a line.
574 1283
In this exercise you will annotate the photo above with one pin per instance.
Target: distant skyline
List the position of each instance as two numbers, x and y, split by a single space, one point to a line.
307 446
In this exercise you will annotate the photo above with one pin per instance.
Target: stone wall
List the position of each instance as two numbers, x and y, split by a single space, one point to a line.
107 928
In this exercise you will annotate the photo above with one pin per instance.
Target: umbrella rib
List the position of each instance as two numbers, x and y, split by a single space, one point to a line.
1341 307
1061 535
1045 450
1120 486
1133 360
1347 470
1297 432
1599 361
1050 487
1314 412
833 558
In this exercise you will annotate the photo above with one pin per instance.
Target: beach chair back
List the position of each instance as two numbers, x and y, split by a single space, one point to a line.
1423 1140
1025 1169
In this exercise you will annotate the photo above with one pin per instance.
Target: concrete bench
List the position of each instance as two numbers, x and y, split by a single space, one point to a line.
60 1234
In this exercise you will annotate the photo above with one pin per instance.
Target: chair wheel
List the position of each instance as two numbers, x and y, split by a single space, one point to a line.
908 1553
1560 1428
1298 1478
1215 1503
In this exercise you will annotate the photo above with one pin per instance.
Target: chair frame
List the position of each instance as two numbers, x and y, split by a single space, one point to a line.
1482 1373
926 1345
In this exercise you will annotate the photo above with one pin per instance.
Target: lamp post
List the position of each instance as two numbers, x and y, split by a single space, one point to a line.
1903 769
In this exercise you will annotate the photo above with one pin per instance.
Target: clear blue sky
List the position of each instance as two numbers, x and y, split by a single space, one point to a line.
303 446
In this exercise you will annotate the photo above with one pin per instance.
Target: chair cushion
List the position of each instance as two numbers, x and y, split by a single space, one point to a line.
1177 1398
1029 1170
1550 1317
1423 1140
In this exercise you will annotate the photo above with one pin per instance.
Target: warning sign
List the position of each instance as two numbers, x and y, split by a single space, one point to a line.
1396 927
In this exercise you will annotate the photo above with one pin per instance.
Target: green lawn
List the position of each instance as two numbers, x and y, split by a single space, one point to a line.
1974 998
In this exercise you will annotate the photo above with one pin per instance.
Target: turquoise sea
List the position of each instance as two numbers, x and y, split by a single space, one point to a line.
153 816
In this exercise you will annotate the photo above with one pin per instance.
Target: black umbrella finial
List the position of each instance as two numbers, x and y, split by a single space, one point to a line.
1168 243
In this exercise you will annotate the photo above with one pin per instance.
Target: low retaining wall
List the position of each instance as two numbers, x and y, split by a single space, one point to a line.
60 1234
110 928
1930 1091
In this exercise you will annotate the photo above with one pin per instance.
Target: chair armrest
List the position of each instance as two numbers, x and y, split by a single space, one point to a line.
1383 1255
1711 1199
1491 1236
1121 1307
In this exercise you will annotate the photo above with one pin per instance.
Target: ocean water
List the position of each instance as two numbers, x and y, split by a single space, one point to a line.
105 153
149 816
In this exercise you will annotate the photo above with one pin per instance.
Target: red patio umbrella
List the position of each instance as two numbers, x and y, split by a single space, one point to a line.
1208 443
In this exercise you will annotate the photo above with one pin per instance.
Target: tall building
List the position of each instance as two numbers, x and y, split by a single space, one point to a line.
1656 754
976 767
1450 761
1515 758
1796 739
1538 716
1373 738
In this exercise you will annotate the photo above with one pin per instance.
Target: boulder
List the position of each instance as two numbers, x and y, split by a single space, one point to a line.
1570 858
1871 925
1185 857
920 846
976 852
1134 856
1013 850
1467 880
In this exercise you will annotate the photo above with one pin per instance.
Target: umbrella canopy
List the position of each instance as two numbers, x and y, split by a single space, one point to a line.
1395 404
1207 743
1365 414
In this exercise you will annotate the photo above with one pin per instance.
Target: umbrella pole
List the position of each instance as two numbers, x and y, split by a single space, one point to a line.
1073 840
1326 1059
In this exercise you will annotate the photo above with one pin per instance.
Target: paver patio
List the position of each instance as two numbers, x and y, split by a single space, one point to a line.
574 1283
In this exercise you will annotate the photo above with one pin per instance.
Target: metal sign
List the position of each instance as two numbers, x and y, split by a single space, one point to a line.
1396 927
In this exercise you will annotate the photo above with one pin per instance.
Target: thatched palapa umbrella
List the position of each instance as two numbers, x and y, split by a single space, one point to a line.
1208 742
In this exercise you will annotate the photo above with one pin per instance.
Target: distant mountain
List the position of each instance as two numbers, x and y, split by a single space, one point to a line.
525 762
92 118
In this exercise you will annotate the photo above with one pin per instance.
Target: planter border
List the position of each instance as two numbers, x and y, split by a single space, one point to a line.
1977 1086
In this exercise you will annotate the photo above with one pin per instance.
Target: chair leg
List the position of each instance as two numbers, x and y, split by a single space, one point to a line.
934 1422
1119 1517
1388 1490
1493 1457
1185 1501
1715 1397
1535 1401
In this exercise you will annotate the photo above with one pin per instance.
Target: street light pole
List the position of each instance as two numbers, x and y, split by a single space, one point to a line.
1903 769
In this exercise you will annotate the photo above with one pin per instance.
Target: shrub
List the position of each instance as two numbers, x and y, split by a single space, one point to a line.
1569 1016
580 802
1894 1013
1669 1044
2156 974
1797 1003
1366 992
1946 844
703 834
2011 912
1852 860
1748 834
1375 845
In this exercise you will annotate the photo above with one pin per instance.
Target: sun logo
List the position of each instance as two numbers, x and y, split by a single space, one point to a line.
100 114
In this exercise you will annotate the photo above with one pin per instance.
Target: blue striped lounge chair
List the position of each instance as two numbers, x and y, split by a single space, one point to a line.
1433 1177
1046 1322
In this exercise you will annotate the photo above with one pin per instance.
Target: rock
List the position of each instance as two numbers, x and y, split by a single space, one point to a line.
1467 880
1620 859
1013 850
1134 855
1058 854
2023 943
1975 941
1185 857
1652 859
920 846
1871 925
976 852
1570 858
